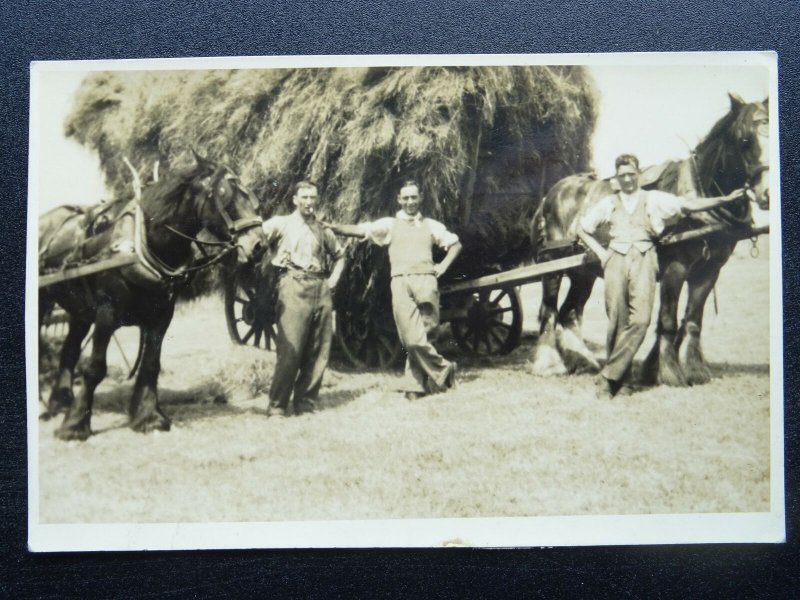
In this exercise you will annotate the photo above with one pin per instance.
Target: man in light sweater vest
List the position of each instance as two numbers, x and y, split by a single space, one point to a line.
636 218
415 292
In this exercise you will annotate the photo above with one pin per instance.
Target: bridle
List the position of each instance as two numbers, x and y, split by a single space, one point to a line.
755 171
234 228
752 171
238 226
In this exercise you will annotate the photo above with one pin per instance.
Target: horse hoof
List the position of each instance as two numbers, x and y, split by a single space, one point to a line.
155 422
77 432
59 402
547 362
697 374
577 357
671 377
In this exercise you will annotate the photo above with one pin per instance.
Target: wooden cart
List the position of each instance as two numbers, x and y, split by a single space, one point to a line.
485 313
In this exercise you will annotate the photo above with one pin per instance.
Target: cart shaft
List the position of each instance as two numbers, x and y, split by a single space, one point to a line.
84 270
531 273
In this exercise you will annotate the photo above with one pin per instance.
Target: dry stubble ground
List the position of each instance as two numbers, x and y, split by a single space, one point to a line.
504 443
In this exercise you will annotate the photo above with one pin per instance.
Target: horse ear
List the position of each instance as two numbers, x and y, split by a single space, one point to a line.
201 162
766 102
736 101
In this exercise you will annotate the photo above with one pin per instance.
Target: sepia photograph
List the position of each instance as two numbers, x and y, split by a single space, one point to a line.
404 301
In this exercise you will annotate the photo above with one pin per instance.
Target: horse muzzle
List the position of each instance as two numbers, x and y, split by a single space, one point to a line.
763 200
249 245
758 187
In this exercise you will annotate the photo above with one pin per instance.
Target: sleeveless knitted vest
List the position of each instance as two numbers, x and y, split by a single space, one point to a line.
630 229
411 249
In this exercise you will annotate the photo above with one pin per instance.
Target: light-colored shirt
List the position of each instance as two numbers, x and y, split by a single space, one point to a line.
380 232
310 248
663 209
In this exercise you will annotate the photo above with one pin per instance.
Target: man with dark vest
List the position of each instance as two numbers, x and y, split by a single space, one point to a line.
415 293
636 218
310 260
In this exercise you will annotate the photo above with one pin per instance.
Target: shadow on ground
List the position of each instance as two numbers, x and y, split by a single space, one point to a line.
210 399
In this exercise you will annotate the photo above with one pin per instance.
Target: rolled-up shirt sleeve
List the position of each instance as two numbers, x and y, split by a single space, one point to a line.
273 228
332 245
597 214
378 232
441 236
664 209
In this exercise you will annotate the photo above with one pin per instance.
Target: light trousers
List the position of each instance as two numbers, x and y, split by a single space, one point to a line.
630 281
415 305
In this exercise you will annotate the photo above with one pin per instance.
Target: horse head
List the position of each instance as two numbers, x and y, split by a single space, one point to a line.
228 209
736 152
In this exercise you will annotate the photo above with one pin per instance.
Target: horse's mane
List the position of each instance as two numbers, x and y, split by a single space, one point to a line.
162 199
714 155
717 135
716 150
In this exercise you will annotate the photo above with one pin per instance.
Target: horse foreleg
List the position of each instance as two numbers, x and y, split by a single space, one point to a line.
577 357
702 279
546 359
77 421
61 396
146 414
661 365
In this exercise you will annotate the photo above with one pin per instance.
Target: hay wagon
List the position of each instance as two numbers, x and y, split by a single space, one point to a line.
484 313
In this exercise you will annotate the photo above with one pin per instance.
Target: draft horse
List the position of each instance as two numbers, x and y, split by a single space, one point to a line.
734 154
160 229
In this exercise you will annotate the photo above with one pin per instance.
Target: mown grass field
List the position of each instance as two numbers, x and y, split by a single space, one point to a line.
504 443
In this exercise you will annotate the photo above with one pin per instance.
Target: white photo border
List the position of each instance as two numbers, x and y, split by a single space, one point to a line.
767 527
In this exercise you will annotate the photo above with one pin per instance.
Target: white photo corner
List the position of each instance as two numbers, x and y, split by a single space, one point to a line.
404 301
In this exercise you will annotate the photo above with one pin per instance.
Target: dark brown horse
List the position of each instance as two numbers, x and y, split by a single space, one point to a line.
159 229
734 154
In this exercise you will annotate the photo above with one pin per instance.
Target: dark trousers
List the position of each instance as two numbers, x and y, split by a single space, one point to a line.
630 281
305 332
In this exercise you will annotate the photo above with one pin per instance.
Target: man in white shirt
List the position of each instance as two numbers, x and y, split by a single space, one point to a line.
310 260
636 218
415 293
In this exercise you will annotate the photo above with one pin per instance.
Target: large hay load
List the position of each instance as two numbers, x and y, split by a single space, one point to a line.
484 143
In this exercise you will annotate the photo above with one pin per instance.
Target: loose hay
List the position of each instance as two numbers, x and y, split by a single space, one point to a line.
484 142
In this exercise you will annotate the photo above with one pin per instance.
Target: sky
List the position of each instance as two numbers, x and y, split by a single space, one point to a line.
656 112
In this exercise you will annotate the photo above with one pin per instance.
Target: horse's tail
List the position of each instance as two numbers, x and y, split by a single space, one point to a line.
548 213
137 363
537 228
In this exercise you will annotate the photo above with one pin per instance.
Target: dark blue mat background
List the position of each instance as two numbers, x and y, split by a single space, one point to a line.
107 29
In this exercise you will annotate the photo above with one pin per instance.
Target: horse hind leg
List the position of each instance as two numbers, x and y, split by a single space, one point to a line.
61 395
146 414
661 365
577 356
700 282
77 421
546 359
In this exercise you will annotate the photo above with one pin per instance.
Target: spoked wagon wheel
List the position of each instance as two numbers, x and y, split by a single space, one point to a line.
368 343
250 307
492 324
365 329
54 324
